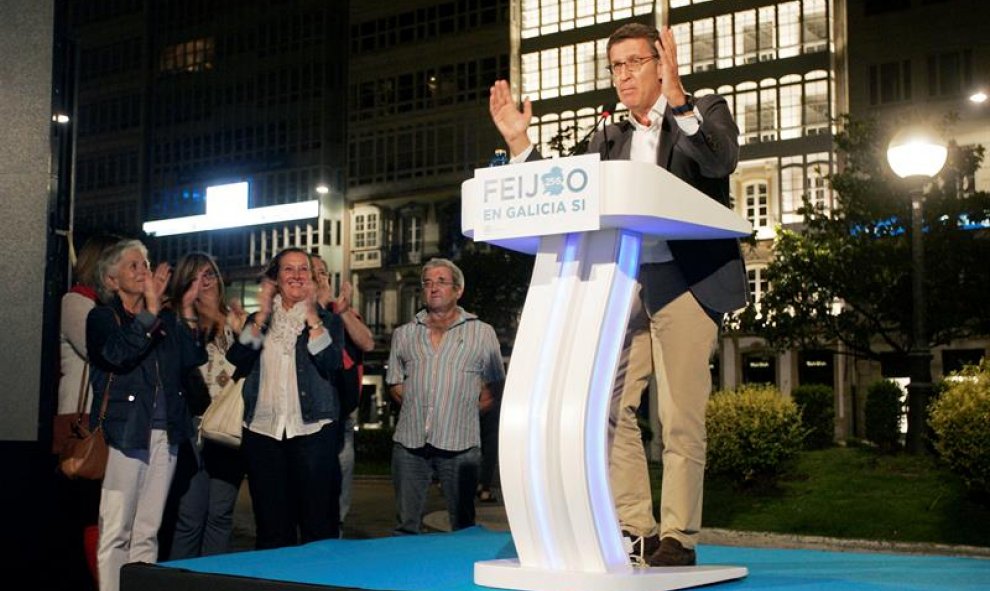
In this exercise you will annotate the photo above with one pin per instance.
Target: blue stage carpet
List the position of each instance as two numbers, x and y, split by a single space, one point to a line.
446 561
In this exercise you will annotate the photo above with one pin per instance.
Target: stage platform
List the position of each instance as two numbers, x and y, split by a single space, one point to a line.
445 561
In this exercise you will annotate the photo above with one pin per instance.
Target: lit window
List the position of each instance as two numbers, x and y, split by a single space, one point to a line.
816 107
190 56
365 224
768 111
758 285
815 29
817 187
791 188
703 45
757 204
789 28
747 112
745 27
790 107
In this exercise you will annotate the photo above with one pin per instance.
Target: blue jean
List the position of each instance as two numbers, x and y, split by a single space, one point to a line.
225 466
190 495
413 471
206 483
346 457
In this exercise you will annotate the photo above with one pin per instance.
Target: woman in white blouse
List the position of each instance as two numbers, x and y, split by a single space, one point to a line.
289 351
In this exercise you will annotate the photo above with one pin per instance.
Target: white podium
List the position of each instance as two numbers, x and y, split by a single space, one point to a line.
552 440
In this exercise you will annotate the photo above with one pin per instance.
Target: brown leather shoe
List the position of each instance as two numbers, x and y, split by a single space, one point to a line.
672 553
640 548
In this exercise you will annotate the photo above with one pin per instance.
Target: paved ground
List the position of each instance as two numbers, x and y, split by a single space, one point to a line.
372 513
373 516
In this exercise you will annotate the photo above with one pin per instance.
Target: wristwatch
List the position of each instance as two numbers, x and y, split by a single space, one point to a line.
683 109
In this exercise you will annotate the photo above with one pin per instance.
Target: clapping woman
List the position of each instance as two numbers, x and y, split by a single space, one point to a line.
289 351
200 517
139 352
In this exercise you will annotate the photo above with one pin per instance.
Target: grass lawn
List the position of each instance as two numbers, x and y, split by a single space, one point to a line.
854 493
842 492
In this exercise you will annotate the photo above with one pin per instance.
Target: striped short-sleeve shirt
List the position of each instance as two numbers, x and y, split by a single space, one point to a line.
441 387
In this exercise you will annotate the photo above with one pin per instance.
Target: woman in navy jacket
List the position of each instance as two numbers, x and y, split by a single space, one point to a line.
142 349
289 351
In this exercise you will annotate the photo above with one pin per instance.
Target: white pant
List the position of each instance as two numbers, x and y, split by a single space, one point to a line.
132 501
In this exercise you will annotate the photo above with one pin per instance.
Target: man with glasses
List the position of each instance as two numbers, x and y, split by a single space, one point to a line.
685 286
444 368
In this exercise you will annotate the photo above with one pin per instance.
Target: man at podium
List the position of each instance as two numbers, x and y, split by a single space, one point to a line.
685 286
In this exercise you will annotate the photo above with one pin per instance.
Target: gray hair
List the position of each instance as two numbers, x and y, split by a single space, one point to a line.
107 266
455 271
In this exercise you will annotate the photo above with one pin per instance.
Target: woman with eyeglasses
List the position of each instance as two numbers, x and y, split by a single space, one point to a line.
289 350
200 513
139 351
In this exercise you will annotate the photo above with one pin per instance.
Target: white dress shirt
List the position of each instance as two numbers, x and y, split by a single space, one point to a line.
645 141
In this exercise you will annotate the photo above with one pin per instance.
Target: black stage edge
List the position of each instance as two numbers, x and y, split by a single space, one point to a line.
140 576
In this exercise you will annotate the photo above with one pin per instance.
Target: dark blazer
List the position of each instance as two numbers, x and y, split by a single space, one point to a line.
712 269
147 356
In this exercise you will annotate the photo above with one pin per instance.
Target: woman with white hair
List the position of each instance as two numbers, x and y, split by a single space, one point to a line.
139 351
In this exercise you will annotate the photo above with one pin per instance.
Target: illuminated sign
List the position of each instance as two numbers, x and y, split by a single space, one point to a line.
538 198
227 207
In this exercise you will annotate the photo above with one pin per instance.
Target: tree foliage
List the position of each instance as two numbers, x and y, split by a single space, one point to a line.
497 281
844 276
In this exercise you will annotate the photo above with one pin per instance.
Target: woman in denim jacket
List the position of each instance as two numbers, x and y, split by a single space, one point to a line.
142 349
289 351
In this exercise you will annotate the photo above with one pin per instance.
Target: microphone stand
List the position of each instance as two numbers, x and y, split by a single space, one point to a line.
606 113
606 144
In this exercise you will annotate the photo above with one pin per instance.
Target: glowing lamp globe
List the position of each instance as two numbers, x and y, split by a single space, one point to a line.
916 152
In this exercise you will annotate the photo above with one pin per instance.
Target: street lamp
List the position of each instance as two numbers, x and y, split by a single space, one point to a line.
917 155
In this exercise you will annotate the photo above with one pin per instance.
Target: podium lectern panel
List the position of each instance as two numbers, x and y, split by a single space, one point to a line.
553 435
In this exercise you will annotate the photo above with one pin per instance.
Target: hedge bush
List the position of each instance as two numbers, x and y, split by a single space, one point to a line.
960 419
752 433
817 405
884 411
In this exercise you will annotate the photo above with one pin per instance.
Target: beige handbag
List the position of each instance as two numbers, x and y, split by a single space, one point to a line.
223 418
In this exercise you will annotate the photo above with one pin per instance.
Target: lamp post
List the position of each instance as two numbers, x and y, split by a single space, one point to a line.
917 155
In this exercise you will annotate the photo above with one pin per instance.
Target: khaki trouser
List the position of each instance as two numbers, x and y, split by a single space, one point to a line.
678 341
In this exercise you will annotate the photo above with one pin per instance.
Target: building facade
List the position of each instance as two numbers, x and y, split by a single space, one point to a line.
922 61
175 97
418 125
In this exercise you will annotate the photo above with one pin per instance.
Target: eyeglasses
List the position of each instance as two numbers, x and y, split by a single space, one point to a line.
633 65
429 284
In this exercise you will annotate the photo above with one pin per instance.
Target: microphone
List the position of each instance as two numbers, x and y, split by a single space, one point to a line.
606 144
605 114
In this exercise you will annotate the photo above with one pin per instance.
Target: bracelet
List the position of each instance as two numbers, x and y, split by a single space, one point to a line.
258 325
316 326
193 319
681 110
